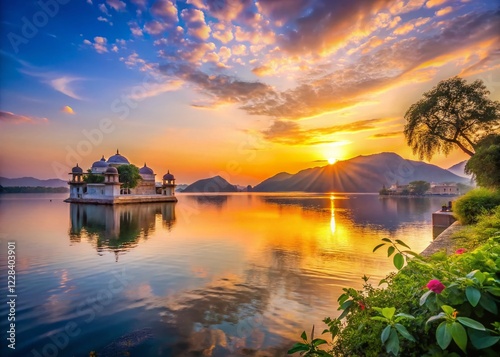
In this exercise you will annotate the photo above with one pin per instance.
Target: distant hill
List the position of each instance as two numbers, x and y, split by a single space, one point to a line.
360 174
31 182
459 169
213 184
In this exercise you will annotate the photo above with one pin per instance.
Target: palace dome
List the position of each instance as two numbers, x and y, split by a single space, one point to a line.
168 176
146 170
112 170
118 159
77 170
100 163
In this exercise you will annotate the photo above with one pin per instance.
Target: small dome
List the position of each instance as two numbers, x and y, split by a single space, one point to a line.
146 170
118 159
100 163
168 176
112 170
77 170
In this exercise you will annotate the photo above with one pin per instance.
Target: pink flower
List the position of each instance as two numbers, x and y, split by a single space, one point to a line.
435 286
460 251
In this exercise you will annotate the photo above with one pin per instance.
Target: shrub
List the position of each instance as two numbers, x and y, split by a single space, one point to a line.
469 207
438 306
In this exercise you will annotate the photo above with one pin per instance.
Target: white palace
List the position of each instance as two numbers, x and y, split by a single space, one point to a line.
110 190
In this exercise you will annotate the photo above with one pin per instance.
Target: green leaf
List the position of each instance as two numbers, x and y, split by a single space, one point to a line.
447 309
318 341
488 303
404 316
378 246
410 252
439 316
443 335
399 261
473 295
392 345
303 336
298 347
404 332
378 318
459 335
388 312
400 242
390 250
481 339
424 297
346 307
385 334
480 277
493 290
386 240
471 323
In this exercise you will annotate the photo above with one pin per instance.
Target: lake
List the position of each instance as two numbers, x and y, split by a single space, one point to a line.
220 275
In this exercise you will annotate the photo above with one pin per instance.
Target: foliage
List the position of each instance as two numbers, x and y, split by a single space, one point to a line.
383 191
469 207
307 348
472 236
436 306
400 256
452 114
129 175
463 188
485 164
419 187
93 178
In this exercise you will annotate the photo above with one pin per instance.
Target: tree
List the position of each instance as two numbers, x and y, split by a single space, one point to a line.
93 178
129 175
485 164
452 114
419 187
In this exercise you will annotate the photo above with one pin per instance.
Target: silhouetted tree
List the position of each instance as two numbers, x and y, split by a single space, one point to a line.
452 114
485 164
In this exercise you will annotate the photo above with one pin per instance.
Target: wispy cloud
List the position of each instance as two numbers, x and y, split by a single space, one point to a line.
11 118
291 133
391 134
63 85
155 89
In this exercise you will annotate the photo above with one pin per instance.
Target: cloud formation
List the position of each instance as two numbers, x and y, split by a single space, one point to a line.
11 118
63 85
68 110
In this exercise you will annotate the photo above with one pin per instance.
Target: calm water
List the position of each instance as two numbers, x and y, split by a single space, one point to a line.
227 275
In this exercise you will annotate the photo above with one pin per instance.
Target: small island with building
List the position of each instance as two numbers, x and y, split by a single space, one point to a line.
101 183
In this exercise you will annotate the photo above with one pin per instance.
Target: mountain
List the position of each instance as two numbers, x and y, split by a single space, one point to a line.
213 184
458 169
360 174
32 182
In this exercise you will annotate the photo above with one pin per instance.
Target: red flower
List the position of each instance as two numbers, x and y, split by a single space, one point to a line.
435 286
361 305
460 251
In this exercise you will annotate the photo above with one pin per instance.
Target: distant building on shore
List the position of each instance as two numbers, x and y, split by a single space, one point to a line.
439 189
109 191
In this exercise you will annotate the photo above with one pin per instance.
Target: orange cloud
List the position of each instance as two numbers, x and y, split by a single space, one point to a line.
68 110
444 11
434 3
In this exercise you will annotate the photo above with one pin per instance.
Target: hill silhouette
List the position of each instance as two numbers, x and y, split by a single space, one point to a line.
360 174
213 184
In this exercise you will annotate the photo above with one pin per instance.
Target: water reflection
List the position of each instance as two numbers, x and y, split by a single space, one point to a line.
117 228
218 201
388 212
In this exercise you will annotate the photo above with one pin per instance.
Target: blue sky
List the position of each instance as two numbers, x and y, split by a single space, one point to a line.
246 88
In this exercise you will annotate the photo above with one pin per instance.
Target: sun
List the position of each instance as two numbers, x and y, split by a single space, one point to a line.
332 160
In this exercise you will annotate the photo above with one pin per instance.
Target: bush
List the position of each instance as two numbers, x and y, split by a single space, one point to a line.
469 207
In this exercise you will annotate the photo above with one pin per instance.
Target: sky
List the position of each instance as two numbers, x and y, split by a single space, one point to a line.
243 89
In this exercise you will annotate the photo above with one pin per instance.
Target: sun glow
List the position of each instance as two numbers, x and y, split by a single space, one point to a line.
332 160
